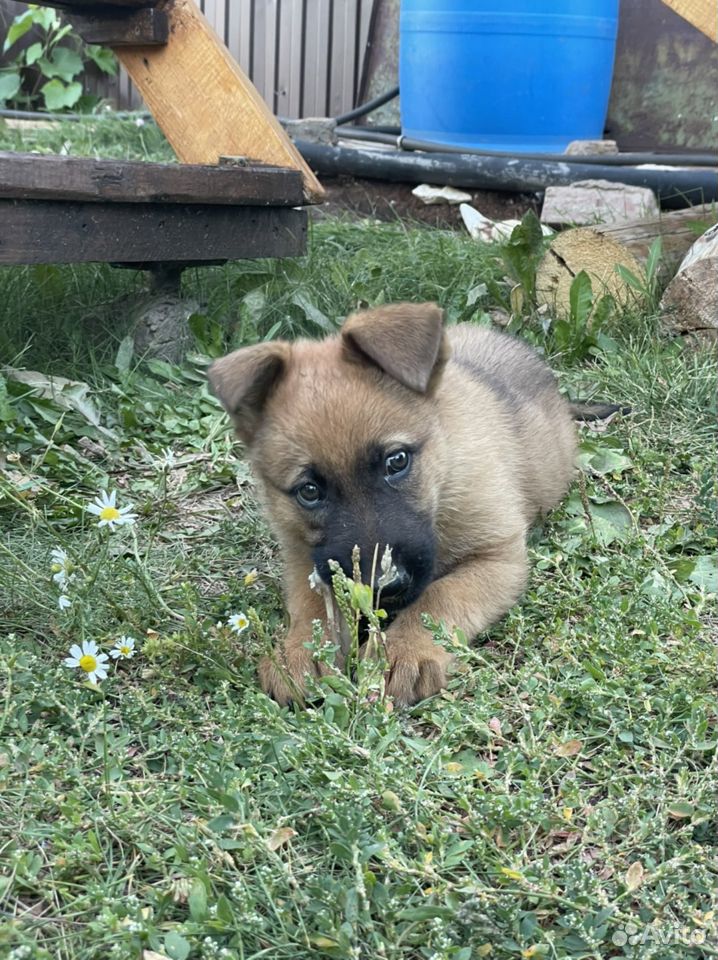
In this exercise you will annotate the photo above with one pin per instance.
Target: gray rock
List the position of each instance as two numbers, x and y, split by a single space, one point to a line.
597 201
584 148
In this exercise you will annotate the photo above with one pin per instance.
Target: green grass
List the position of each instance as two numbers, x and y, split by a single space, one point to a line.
555 802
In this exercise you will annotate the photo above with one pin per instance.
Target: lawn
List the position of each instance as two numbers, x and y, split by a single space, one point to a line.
557 801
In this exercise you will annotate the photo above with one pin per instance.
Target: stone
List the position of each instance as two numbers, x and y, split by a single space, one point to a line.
313 129
161 327
587 148
597 201
431 195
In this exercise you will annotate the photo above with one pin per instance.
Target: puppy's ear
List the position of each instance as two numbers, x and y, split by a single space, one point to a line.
406 340
243 380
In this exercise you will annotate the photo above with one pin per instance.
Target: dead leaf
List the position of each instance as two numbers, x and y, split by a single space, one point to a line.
153 955
634 875
568 749
279 837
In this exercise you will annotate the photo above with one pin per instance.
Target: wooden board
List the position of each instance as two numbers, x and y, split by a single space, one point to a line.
31 177
675 229
41 231
204 103
121 27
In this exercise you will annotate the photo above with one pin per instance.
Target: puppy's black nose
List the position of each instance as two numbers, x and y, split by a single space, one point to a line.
396 589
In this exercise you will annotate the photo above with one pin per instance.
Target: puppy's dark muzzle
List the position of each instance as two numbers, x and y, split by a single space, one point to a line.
397 590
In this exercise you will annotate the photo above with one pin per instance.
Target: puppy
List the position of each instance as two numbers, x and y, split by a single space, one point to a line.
444 445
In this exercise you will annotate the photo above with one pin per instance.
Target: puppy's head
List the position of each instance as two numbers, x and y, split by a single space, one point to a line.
344 436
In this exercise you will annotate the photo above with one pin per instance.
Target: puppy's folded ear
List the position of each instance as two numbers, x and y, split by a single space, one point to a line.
406 340
243 380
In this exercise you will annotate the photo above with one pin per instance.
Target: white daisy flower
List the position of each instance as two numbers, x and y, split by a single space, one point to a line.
105 507
61 567
88 658
63 601
124 648
237 623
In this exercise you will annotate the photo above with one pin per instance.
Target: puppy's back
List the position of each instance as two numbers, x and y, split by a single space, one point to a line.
538 416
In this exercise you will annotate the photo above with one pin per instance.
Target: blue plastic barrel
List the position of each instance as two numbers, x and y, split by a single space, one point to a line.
513 75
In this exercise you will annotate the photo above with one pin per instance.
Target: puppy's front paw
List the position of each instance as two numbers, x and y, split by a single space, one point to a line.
283 674
416 670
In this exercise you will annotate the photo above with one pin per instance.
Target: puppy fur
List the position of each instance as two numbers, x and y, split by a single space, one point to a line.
444 444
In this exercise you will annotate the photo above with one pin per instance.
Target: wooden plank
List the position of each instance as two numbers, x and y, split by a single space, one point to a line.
41 231
204 103
120 28
32 177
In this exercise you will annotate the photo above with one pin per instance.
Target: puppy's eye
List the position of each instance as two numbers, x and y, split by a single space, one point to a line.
309 494
397 463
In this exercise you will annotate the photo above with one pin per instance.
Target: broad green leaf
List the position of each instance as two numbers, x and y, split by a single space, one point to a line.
65 64
18 28
125 351
208 334
528 233
580 299
9 86
312 312
705 573
681 810
46 18
197 900
58 95
103 58
602 458
176 947
33 53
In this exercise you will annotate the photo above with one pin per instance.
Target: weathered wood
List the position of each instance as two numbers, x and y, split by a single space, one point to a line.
581 249
676 230
600 249
690 301
120 28
41 231
204 103
32 177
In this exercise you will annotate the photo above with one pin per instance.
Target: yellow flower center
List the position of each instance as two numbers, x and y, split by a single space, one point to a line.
109 513
88 663
124 650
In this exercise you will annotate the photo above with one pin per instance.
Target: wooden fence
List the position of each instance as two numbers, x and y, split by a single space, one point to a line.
306 57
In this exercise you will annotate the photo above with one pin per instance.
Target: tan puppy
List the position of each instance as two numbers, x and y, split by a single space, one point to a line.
444 445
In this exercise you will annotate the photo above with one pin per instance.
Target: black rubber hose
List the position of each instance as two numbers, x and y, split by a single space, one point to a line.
674 187
608 159
368 107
